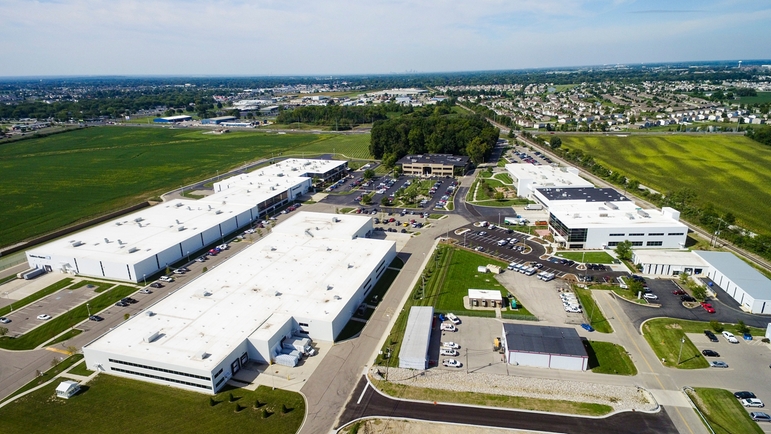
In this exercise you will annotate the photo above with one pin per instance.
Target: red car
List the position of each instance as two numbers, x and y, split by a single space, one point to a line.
708 307
678 292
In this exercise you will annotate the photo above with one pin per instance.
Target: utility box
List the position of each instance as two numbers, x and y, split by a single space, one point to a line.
496 344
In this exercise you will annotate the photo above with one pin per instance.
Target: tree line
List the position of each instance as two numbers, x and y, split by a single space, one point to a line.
339 117
432 129
760 134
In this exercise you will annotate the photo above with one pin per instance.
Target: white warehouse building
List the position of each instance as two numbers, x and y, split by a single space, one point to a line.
529 177
141 244
305 279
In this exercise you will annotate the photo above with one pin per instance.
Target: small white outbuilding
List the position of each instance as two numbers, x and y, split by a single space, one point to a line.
66 389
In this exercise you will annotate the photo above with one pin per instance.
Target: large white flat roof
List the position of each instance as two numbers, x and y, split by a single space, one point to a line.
598 214
126 240
669 257
547 176
287 273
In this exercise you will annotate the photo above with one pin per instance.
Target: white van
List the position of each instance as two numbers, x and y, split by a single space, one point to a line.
622 282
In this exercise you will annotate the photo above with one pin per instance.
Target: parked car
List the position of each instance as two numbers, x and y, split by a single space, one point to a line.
200 259
96 318
710 353
121 304
587 327
747 337
752 402
730 337
128 300
710 335
452 345
448 352
178 271
708 307
4 320
744 395
452 363
156 285
166 279
759 416
145 291
718 364
678 292
687 297
448 327
453 318
649 296
44 316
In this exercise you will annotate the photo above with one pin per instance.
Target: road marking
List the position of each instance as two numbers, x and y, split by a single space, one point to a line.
58 350
362 393
658 379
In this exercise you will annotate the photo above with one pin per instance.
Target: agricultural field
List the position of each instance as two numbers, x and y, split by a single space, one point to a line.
55 181
731 172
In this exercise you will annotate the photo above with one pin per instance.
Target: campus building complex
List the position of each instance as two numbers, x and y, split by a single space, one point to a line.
433 164
141 244
305 279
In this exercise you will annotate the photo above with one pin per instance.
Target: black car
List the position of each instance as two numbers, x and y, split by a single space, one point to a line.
129 300
156 285
710 335
687 297
710 353
121 304
96 318
744 395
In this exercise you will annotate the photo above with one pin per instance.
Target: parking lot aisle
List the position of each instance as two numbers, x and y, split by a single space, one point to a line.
653 375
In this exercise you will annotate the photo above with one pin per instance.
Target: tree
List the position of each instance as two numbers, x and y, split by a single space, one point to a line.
384 201
555 142
742 328
366 199
369 174
499 195
624 250
699 292
476 150
3 331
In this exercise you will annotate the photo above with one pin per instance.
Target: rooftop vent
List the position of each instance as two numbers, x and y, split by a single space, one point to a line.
149 313
133 249
277 294
120 242
178 204
643 213
611 205
76 243
152 336
178 222
138 219
219 211
330 287
106 241
181 228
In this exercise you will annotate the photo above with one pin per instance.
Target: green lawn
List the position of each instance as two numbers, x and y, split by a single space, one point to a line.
592 312
587 257
609 358
664 336
723 411
98 286
505 177
61 323
112 404
461 276
520 402
92 171
763 97
59 367
81 369
737 168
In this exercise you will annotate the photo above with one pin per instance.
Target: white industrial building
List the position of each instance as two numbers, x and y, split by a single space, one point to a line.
544 347
529 177
305 279
669 262
138 245
417 338
746 285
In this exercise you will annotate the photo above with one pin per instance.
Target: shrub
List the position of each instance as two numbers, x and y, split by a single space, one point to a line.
265 413
716 326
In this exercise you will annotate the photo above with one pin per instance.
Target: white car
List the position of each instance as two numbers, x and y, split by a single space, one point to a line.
452 363
447 327
223 246
166 279
44 316
178 271
649 296
452 345
752 402
730 337
453 318
145 291
249 231
448 352
200 259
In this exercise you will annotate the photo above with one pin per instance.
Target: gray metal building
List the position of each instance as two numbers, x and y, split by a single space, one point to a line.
417 337
736 278
544 347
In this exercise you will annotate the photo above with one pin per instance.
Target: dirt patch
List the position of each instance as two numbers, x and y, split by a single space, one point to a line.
387 426
674 326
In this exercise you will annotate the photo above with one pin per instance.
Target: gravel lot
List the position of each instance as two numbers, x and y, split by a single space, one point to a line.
618 397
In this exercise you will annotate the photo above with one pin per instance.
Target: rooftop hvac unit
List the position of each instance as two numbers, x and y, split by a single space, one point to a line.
138 219
133 249
106 241
118 223
219 211
178 204
611 205
152 336
149 313
120 242
209 207
350 265
277 294
337 297
643 213
630 216
330 286
178 222
181 228
76 243
335 219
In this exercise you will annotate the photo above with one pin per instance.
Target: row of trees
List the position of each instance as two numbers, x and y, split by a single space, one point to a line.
426 132
685 200
339 117
760 134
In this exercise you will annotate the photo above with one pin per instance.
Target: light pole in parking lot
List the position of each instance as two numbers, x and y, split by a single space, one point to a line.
682 341
188 256
144 277
88 307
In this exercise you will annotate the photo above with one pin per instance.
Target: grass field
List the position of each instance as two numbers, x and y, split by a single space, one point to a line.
664 334
593 313
609 358
462 274
587 257
520 402
723 411
763 97
54 181
731 172
113 404
49 374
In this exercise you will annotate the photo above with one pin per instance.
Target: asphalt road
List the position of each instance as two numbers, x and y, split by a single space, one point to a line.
371 404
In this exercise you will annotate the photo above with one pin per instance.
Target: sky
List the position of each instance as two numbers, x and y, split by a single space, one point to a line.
338 37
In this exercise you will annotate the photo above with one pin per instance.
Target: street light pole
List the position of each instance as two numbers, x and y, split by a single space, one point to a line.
144 277
88 307
682 341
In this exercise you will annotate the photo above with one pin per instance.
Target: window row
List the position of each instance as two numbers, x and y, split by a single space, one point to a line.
187 383
169 371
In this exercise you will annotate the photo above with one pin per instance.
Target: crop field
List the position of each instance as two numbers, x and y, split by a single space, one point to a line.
55 181
731 172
